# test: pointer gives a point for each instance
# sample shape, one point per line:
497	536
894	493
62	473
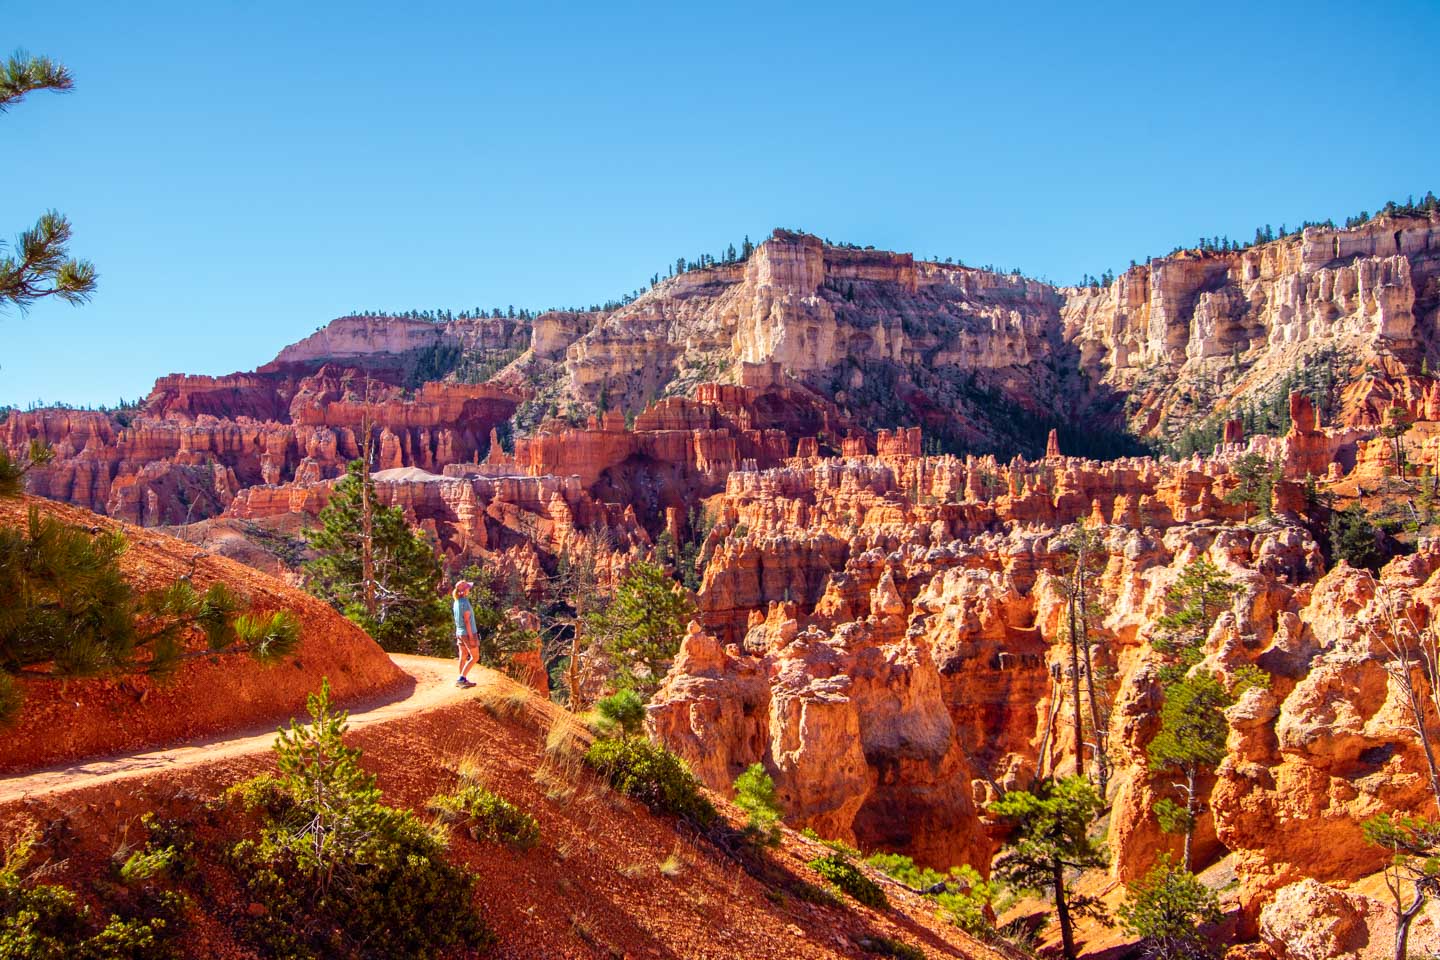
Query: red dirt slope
67	720
607	879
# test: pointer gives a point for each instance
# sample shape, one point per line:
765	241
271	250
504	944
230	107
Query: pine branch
44	267
24	74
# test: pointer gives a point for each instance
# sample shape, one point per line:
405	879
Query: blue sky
242	172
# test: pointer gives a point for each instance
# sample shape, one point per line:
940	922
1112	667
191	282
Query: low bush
654	776
839	846
40	921
486	816
810	893
890	947
840	872
1166	909
755	794
963	896
147	864
339	873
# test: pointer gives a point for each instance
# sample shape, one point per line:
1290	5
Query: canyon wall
1195	330
876	625
197	441
882	633
831	335
957	350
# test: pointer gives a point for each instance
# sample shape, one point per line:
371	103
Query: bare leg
467	659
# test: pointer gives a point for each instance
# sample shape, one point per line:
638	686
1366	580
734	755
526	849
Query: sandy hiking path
431	685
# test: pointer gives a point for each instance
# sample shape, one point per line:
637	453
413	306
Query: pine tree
342	873
642	628
1084	559
1164	909
67	611
1191	605
1413	871
1051	840
1398	421
1257	477
1356	539
409	614
1190	744
41	265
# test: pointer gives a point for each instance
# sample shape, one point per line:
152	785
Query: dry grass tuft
673	865
504	699
472	767
556	787
562	764
566	741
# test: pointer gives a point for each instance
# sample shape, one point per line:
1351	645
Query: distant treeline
1426	206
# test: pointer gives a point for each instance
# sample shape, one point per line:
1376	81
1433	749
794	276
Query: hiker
466	643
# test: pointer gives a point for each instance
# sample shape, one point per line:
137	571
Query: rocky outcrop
1328	745
851	724
951	347
380	343
1313	921
835	587
1194	332
184	455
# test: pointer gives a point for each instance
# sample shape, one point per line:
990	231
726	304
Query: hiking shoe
464	684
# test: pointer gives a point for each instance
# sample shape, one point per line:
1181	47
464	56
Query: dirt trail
432	686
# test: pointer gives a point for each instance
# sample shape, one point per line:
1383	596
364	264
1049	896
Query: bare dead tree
1086	548
1413	842
367	509
1412	649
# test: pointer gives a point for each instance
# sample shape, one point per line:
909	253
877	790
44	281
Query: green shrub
148	864
1164	909
339	873
837	869
967	905
839	846
890	947
266	793
905	870
487	816
966	899
47	922
653	775
755	794
168	854
624	710
812	893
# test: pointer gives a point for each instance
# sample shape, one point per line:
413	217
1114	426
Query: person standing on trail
466	642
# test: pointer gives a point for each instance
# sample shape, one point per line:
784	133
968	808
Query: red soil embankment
606	879
68	720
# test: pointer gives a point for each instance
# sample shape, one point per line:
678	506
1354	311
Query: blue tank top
462	607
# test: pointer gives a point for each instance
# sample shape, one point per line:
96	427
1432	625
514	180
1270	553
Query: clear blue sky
242	172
